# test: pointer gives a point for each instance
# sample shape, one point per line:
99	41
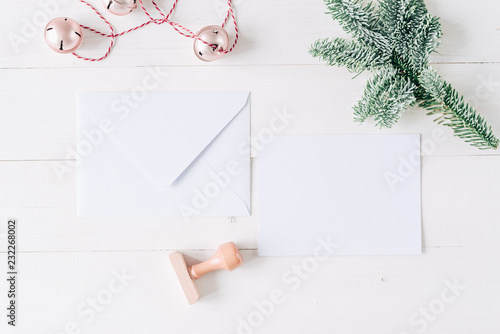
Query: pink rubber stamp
226	257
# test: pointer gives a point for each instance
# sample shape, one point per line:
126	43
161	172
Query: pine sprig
350	54
360	21
395	41
386	96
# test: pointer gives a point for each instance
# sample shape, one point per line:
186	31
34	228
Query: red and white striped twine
165	19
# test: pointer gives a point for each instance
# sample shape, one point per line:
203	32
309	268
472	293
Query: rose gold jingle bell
63	35
217	39
120	7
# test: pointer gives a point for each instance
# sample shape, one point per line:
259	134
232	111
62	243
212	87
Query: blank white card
340	195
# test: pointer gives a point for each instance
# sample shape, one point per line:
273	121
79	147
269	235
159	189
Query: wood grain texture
121	267
272	32
459	205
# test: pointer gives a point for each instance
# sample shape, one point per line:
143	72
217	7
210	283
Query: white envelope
177	154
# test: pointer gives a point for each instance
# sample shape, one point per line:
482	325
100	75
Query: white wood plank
38	118
272	32
64	261
342	295
460	197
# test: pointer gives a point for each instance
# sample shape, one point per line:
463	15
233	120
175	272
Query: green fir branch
424	42
386	96
395	41
455	112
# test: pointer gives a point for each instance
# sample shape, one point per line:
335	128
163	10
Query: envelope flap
164	133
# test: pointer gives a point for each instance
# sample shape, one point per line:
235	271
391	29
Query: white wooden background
65	261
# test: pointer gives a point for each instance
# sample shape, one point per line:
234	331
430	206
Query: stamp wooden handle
226	257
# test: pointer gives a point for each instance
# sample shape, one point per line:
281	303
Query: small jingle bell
63	35
217	39
120	7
